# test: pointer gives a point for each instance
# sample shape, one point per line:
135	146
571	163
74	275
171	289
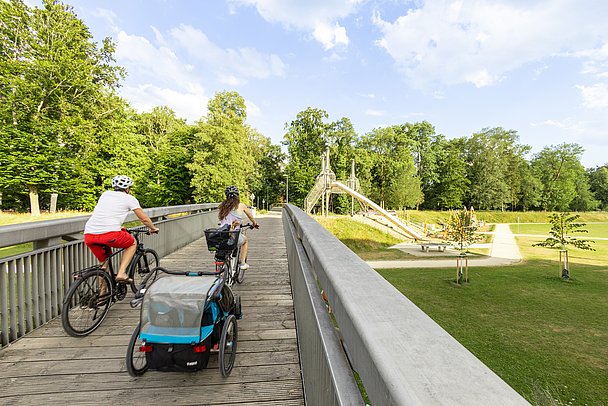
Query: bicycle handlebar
137	230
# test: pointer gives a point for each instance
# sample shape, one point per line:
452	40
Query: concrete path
503	251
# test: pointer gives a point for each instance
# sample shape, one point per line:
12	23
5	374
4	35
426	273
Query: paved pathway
503	251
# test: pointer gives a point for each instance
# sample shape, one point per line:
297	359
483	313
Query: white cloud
253	111
375	113
319	17
596	96
448	42
154	64
330	36
158	76
105	14
232	66
191	106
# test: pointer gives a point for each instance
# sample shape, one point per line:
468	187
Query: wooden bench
427	245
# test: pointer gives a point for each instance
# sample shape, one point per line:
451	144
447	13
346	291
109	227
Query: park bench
427	245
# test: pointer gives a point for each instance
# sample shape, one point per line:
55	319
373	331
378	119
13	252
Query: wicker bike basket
221	239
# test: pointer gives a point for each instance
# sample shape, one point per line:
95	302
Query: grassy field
369	243
434	217
597	230
544	336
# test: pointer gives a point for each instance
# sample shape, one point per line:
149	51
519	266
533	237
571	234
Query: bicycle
224	242
94	289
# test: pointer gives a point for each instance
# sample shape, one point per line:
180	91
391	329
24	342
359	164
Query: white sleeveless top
233	215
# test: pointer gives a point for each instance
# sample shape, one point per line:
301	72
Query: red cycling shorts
114	239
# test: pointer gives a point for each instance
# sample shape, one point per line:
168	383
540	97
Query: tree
269	186
530	188
54	78
557	168
451	183
306	139
491	154
598	182
425	155
167	141
393	182
562	225
461	228
223	150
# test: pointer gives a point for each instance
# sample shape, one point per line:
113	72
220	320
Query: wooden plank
101	365
48	367
151	379
44	343
176	395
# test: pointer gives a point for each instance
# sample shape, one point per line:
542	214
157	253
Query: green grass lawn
368	242
598	230
433	216
546	337
538	333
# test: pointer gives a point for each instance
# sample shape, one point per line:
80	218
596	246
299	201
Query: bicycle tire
240	274
228	343
135	356
83	308
143	264
228	271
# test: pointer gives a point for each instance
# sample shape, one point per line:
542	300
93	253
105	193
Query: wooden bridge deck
49	367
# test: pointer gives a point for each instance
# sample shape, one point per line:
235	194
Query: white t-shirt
110	212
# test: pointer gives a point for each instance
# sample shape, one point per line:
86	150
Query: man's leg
127	255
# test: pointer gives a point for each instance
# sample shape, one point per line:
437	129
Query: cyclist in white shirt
231	212
105	225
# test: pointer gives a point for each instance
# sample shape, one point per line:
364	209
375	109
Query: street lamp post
287	189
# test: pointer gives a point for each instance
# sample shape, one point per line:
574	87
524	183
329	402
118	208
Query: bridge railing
401	355
32	284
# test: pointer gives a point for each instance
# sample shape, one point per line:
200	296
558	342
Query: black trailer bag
179	357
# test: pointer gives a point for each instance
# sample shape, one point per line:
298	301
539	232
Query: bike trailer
179	322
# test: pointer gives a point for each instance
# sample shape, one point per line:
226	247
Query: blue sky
538	67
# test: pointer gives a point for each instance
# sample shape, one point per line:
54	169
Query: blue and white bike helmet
121	182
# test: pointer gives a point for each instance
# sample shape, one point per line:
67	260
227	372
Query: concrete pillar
53	203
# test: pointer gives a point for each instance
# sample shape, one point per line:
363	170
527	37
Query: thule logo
191	363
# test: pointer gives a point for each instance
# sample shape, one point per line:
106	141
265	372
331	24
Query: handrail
33	284
326	373
402	356
52	229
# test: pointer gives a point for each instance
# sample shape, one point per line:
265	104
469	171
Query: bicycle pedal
121	291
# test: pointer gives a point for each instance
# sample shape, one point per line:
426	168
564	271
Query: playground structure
326	184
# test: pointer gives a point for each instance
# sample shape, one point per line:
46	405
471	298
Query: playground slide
393	219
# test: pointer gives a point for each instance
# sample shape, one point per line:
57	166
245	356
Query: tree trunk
34	203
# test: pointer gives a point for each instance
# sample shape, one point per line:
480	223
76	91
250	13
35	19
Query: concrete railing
402	356
32	284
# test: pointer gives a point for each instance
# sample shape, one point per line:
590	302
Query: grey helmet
121	182
231	191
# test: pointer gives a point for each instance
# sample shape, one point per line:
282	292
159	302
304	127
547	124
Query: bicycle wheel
228	275
228	342
239	274
143	264
137	363
87	303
